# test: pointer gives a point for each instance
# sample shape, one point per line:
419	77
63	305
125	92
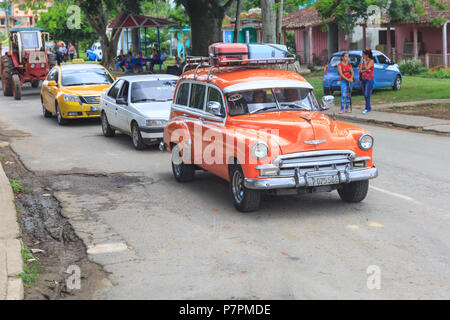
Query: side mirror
327	102
52	83
121	101
214	108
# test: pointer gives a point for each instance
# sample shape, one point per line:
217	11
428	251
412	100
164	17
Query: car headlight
156	123
260	150
365	142
70	97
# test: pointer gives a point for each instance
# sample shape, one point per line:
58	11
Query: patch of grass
16	185
30	272
414	88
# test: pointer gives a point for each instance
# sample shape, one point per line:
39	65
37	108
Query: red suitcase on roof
224	53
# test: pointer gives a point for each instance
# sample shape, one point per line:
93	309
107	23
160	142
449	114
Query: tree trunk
206	18
279	21
109	48
268	21
237	23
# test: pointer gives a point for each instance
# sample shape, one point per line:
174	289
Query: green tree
54	21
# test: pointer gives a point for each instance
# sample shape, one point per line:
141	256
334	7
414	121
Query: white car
138	106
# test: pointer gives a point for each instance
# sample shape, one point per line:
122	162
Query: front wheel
354	191
59	117
106	128
397	83
138	142
35	83
17	87
181	171
245	200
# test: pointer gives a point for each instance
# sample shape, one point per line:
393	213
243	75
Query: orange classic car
262	129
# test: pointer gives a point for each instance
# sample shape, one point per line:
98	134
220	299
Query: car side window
382	59
215	95
115	89
197	96
124	91
56	76
183	94
51	75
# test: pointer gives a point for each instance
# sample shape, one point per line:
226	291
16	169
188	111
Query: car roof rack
205	62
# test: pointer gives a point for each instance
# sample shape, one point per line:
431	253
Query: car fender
176	132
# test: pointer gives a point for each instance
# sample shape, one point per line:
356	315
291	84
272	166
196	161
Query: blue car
95	53
386	73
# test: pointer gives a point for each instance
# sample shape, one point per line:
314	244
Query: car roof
236	77
149	77
354	52
75	66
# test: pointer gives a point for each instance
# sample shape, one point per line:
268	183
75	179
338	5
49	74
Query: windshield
30	40
81	77
160	90
353	59
266	100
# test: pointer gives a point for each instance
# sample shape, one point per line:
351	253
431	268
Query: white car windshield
83	77
153	90
267	100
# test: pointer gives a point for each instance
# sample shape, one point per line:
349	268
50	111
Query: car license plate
322	180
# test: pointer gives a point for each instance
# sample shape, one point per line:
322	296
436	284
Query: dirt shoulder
45	229
438	111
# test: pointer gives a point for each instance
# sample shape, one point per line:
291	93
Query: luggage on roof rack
225	53
261	51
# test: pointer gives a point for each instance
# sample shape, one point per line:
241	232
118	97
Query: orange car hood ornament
315	142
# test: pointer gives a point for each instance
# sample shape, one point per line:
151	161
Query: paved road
161	239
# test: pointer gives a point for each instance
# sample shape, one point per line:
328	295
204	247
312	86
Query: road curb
428	128
11	264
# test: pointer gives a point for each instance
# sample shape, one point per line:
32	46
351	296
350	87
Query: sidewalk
397	119
11	287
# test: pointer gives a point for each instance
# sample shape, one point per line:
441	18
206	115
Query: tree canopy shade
54	21
206	18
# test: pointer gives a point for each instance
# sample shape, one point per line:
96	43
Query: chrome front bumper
300	181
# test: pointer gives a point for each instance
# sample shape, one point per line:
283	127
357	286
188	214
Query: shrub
411	67
439	74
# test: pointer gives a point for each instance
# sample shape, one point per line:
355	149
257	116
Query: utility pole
237	22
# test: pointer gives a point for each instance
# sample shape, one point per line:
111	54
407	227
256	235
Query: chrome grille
314	161
91	99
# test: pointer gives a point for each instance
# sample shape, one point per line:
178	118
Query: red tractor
26	61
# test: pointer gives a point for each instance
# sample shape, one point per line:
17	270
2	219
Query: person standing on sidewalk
366	77
345	71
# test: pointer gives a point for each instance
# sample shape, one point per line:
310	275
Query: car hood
298	131
92	90
155	110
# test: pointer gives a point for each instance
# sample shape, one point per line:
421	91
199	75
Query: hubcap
399	83
104	123
135	136
176	160
237	186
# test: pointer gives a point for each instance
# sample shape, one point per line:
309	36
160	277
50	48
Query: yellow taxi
72	91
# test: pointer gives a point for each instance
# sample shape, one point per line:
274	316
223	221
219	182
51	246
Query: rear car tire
181	171
106	128
354	191
59	118
45	112
397	84
7	69
136	136
245	200
17	87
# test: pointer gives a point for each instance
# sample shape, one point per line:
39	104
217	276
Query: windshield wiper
264	109
295	105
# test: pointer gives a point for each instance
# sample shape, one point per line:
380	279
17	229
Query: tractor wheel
51	61
7	69
17	87
35	83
